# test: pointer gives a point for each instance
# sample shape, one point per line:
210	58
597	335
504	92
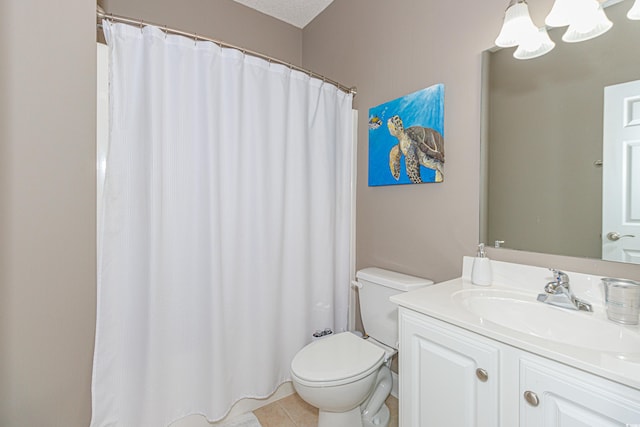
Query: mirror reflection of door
621	173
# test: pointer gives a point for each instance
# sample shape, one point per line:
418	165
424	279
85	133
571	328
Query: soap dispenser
481	270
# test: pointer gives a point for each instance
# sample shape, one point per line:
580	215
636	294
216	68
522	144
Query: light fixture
517	25
560	15
519	30
634	12
535	46
585	19
590	22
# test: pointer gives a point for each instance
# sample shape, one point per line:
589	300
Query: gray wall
389	49
47	199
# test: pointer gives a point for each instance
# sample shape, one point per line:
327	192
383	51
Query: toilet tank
379	315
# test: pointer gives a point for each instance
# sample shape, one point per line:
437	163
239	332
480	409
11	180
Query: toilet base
352	418
381	419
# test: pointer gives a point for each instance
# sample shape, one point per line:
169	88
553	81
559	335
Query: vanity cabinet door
448	376
552	394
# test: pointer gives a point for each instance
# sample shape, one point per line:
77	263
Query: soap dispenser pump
481	270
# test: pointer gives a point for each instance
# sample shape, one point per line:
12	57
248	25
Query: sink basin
521	312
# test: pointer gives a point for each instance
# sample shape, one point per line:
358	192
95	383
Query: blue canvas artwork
406	139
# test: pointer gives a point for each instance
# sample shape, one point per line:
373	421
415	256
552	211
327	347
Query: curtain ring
166	32
195	39
141	24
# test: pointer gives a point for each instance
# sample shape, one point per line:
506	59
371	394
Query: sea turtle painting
406	139
420	146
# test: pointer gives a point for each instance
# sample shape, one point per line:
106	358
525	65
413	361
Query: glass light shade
591	23
535	46
634	12
516	26
561	12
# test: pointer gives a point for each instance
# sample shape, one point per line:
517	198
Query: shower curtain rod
101	14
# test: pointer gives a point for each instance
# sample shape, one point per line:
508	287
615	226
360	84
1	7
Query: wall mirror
543	165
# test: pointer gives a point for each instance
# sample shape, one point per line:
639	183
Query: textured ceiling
295	12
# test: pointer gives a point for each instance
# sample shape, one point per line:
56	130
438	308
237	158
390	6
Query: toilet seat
340	359
389	352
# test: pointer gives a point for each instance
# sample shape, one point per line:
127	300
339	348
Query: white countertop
439	301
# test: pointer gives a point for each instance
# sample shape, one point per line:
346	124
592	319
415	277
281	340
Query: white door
621	173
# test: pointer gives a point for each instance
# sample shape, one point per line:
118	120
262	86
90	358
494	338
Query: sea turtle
420	146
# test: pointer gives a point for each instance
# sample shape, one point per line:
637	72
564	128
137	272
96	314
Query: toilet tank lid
392	279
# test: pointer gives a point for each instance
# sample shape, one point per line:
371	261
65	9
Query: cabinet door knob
482	375
531	398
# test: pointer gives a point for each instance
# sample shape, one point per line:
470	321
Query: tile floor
292	411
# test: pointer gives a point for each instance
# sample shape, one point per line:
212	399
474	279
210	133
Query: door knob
614	237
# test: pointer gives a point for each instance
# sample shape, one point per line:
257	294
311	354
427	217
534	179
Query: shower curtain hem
209	420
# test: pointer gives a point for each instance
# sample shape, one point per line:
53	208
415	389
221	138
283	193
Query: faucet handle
560	277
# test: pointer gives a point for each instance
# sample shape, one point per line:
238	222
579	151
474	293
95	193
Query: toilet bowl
348	377
337	374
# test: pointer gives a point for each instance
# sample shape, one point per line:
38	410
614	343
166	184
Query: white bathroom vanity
495	356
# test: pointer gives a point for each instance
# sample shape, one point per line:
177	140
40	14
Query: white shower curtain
225	231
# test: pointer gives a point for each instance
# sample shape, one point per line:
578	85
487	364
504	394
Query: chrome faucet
558	293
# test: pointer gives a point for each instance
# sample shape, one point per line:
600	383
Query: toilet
348	378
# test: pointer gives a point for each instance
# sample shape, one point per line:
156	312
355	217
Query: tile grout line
286	412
